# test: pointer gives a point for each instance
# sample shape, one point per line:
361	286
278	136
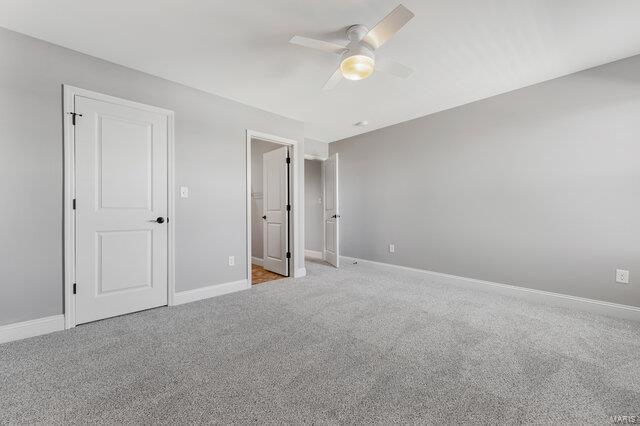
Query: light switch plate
184	192
392	248
622	276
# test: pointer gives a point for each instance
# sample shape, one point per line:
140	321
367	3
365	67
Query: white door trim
314	157
324	225
313	254
296	156
336	209
69	93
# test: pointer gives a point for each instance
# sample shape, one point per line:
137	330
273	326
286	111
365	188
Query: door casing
69	94
324	223
296	226
336	210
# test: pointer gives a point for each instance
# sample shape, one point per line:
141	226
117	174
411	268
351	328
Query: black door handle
264	217
158	220
335	216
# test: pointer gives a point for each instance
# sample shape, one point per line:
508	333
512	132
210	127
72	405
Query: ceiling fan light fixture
357	67
358	57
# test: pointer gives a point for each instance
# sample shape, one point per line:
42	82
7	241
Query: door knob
335	216
264	217
158	220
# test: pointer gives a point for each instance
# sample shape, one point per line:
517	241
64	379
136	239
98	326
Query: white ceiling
462	50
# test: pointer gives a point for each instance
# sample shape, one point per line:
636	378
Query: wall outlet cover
392	248
232	260
184	192
622	276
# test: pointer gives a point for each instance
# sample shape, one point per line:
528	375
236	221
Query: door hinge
288	207
74	288
288	160
73	117
288	255
74	204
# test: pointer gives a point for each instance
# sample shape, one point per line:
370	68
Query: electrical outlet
392	248
184	192
622	276
232	260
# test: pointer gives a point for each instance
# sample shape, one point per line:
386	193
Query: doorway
118	206
322	210
313	209
271	208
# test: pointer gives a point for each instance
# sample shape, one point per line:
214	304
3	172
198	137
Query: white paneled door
121	209
331	211
275	228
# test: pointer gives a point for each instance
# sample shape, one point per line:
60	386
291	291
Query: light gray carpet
355	345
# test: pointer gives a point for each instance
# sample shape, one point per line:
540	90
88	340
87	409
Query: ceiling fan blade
333	80
321	45
393	68
390	25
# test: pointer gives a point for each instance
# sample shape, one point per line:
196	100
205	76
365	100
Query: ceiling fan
358	59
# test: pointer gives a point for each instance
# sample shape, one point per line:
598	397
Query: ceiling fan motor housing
356	33
357	46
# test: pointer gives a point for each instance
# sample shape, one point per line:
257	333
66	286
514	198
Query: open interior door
275	229
331	212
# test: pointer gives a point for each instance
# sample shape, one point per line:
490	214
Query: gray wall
538	188
210	160
258	148
313	205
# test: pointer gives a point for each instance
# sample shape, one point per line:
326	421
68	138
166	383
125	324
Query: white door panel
274	241
123	260
130	190
331	211
275	227
121	188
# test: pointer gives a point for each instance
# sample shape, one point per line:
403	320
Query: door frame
68	94
321	159
324	219
295	230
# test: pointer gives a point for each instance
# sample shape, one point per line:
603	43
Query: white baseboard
555	299
313	254
210	291
36	327
257	261
300	272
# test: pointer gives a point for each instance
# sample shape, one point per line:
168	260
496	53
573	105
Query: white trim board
201	293
31	328
69	94
313	254
257	261
554	299
315	157
40	326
